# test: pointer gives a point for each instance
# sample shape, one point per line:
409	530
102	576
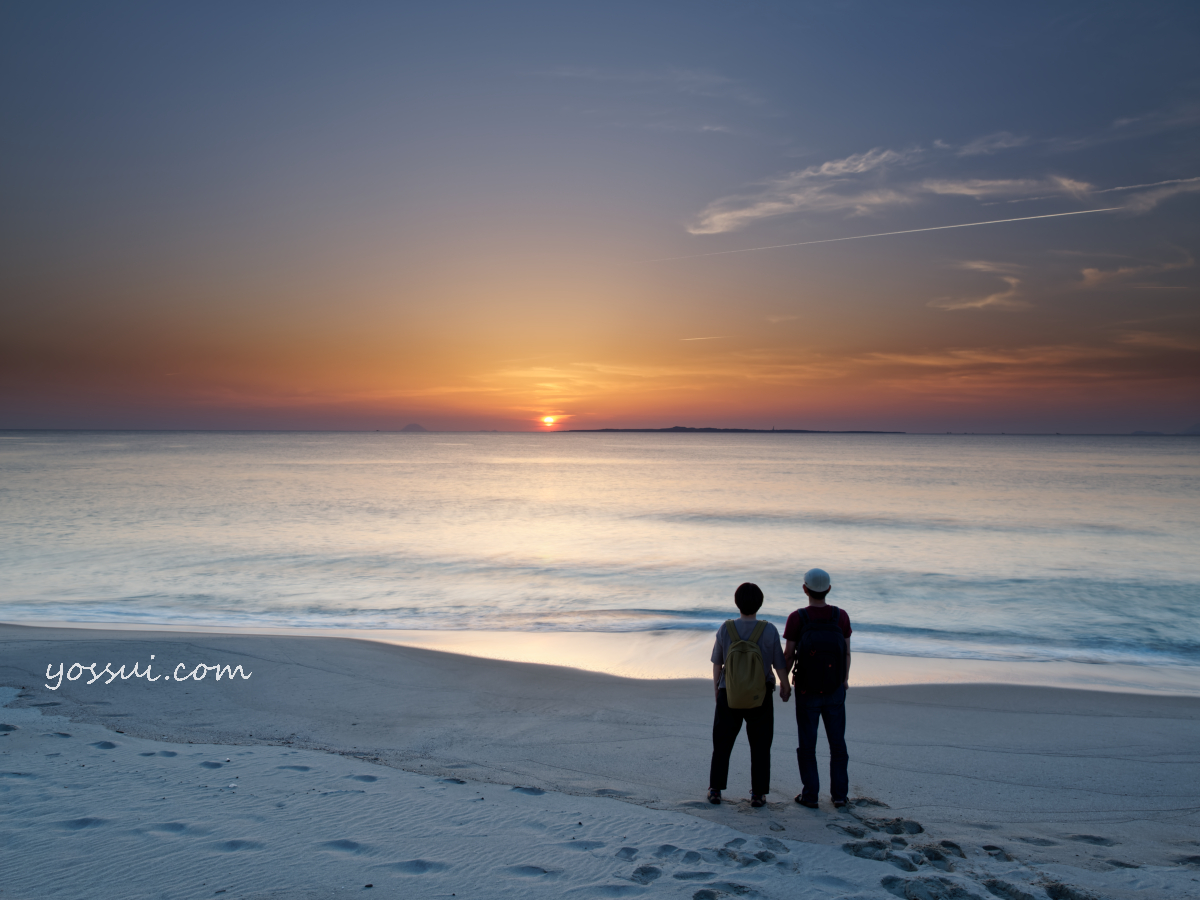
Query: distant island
675	429
414	427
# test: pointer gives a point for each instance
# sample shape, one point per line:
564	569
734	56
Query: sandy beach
342	763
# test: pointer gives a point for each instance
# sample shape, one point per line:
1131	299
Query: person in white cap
817	652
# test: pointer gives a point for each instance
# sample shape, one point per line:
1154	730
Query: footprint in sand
952	847
880	851
292	768
646	874
935	857
728	887
415	866
451	781
936	888
57	734
666	850
367	778
237	845
211	765
1006	891
531	791
345	846
104	745
626	853
693	876
1059	891
893	826
1095	839
848	830
5	728
149	753
691	858
771	844
80	824
1038	842
528	871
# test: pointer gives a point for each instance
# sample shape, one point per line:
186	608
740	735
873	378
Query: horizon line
675	429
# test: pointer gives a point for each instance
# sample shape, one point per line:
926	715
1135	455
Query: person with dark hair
818	647
743	658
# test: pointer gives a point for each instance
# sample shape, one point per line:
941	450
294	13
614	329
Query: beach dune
1098	793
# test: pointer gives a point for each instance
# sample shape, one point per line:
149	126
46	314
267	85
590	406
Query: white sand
337	750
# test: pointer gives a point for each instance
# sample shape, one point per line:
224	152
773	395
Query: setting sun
548	420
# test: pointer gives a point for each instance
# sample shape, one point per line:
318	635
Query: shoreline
674	654
346	762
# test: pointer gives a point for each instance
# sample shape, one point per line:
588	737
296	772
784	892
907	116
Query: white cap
816	580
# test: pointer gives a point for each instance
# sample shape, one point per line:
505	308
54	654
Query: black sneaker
714	796
839	804
758	800
811	804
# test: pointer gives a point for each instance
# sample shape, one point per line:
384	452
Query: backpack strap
757	633
733	633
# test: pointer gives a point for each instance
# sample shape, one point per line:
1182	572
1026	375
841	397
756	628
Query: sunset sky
475	215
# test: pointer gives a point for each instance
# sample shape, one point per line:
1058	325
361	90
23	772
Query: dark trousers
810	710
760	729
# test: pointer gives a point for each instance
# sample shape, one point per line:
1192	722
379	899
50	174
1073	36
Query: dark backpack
820	655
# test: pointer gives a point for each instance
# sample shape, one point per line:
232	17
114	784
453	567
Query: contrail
859	237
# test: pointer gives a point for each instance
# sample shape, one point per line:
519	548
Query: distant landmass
414	427
684	428
1195	429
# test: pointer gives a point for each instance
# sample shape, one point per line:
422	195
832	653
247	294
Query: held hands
785	692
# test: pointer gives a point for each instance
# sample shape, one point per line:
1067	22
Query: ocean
1015	548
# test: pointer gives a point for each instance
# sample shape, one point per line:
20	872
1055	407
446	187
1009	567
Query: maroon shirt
791	631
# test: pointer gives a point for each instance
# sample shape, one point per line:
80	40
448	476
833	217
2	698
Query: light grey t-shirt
768	643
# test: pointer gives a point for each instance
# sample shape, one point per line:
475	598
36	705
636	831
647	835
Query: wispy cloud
1147	200
981	188
1096	277
830	186
864	183
775	320
1007	299
719	337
